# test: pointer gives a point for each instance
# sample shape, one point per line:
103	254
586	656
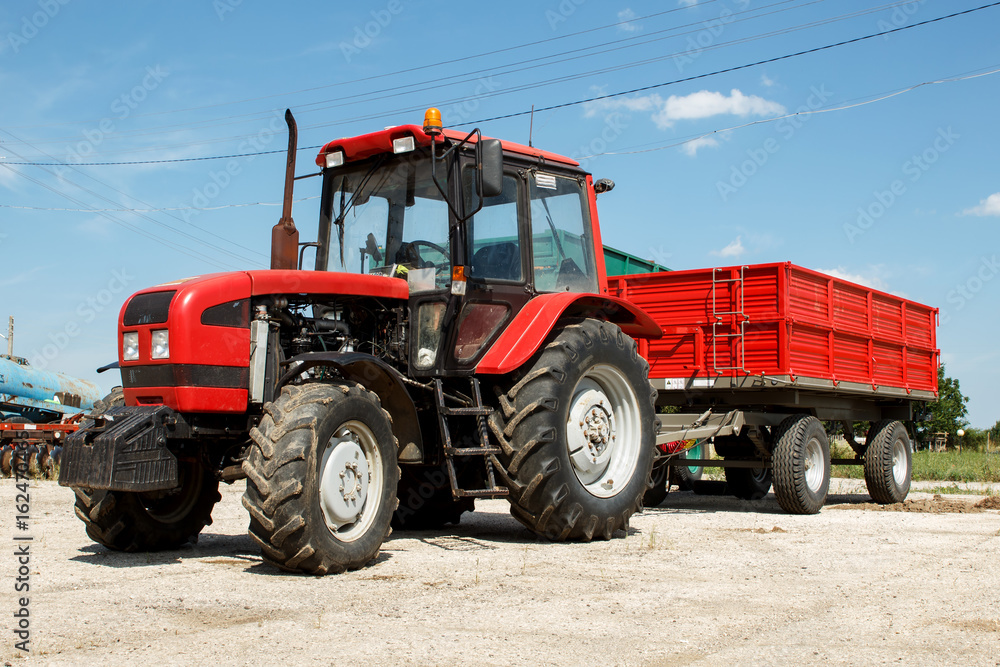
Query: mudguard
379	377
532	325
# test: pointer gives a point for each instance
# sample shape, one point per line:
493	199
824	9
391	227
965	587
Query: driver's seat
500	261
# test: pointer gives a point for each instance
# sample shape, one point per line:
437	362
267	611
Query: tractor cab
474	226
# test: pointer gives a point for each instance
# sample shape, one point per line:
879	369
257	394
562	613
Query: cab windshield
387	217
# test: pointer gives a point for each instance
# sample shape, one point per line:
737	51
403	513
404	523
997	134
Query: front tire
154	520
748	483
888	462
659	485
801	464
321	478
577	434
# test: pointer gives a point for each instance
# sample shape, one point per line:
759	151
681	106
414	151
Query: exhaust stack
284	236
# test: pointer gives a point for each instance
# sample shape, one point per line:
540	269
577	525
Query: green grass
948	466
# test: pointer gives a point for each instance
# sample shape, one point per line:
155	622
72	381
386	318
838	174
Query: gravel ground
701	580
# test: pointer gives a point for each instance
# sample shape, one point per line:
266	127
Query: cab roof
367	145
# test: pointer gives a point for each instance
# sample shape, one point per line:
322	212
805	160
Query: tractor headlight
130	346
160	344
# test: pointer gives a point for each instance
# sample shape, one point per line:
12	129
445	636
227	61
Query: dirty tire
7	461
801	464
557	489
659	485
312	441
748	483
150	521
425	500
685	476
888	462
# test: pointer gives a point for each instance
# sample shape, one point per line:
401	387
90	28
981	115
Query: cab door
496	269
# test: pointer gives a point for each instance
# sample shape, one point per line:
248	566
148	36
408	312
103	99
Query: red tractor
455	340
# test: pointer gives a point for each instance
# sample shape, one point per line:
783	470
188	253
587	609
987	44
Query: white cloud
687	3
705	104
691	147
767	81
696	106
989	206
625	16
734	249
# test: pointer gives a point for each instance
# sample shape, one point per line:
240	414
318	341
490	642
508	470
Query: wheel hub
344	481
592	433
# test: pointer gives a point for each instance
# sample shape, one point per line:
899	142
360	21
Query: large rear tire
151	521
577	434
801	464
425	500
888	462
321	478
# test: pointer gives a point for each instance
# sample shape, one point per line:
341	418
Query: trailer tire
314	440
888	462
7	461
748	483
659	484
576	433
425	500
685	476
801	464
151	521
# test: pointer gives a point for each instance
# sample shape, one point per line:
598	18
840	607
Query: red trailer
754	350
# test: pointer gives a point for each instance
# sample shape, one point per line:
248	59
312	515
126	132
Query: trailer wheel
659	485
685	476
151	521
425	500
7	461
801	464
321	478
888	462
577	434
748	483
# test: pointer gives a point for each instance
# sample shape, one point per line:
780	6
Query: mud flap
123	450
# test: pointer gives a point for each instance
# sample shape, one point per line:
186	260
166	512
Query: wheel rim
899	452
174	505
349	481
694	453
759	475
603	431
814	465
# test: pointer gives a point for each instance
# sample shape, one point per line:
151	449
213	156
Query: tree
948	413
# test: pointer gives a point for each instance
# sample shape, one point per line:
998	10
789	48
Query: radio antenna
531	125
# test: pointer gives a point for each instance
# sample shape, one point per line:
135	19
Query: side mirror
492	167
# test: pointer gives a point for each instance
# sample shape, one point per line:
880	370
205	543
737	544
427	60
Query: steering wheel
432	246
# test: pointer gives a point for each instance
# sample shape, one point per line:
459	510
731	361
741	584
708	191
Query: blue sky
902	194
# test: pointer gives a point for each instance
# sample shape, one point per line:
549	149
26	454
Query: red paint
530	327
798	322
375	143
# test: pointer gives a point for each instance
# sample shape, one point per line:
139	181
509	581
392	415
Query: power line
809	112
152	210
738	67
576	102
395	73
